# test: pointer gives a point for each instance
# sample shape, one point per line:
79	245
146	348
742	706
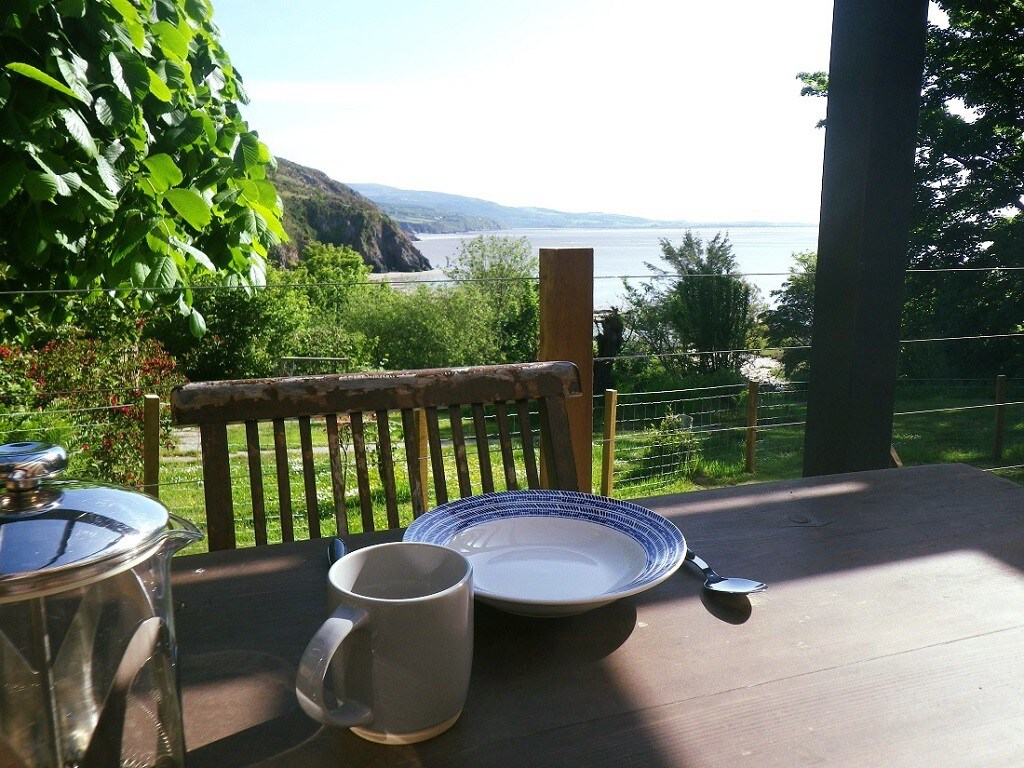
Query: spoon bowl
723	585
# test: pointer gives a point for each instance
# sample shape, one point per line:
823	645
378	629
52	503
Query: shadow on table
551	692
243	630
814	526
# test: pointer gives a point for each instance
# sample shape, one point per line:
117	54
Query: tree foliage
969	193
504	271
299	312
426	326
698	306
788	322
124	161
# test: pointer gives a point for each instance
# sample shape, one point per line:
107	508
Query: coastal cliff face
316	207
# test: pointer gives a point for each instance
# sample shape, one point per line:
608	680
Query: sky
670	109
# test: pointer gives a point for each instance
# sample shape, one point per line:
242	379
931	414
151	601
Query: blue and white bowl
554	553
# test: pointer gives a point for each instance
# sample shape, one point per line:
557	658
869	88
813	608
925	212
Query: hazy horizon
695	222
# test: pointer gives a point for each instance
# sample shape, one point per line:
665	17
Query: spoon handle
697	560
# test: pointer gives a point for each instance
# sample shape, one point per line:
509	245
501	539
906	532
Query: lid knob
24	465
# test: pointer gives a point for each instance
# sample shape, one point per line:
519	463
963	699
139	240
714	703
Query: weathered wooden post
611	397
420	417
567	333
752	398
997	448
151	445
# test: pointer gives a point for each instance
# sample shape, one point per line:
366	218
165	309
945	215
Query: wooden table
892	634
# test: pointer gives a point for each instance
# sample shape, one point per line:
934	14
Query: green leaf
132	233
27	70
201	9
73	180
268	194
110	177
79	131
52	178
190	206
158	87
247	153
108	203
201	258
196	323
249	190
139	271
164	274
11	174
72	8
172	40
258	272
271	220
128	11
137	34
208	127
41	186
75	74
164	173
190	129
114	110
130	74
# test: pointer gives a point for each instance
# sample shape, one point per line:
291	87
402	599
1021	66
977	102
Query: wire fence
665	440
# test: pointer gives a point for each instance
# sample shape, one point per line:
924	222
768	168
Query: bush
670	448
95	389
248	330
19	397
425	326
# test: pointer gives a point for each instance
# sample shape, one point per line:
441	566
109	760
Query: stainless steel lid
60	534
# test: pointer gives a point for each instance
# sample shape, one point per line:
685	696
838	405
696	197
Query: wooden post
567	333
997	448
420	420
875	72
611	397
752	397
151	445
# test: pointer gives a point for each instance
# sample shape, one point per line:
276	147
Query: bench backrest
431	405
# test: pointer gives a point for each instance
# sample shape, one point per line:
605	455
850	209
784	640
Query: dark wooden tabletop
891	634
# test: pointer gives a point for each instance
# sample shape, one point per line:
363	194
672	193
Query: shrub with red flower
97	386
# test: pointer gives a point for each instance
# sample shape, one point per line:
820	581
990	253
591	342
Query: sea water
618	252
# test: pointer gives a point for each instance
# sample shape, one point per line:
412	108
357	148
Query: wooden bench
422	398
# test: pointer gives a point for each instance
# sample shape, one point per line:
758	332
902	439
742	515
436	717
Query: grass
649	461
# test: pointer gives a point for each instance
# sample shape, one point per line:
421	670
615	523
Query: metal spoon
335	551
721	584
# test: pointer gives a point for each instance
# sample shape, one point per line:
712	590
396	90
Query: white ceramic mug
398	645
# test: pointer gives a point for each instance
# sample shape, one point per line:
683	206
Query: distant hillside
440	212
317	207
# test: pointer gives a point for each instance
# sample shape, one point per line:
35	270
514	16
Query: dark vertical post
751	453
997	448
867	192
151	445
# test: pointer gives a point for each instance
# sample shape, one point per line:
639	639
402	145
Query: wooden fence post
420	420
151	445
752	397
567	333
611	397
997	448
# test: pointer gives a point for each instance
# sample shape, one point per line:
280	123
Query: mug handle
316	660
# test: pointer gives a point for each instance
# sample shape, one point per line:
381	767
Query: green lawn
647	462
